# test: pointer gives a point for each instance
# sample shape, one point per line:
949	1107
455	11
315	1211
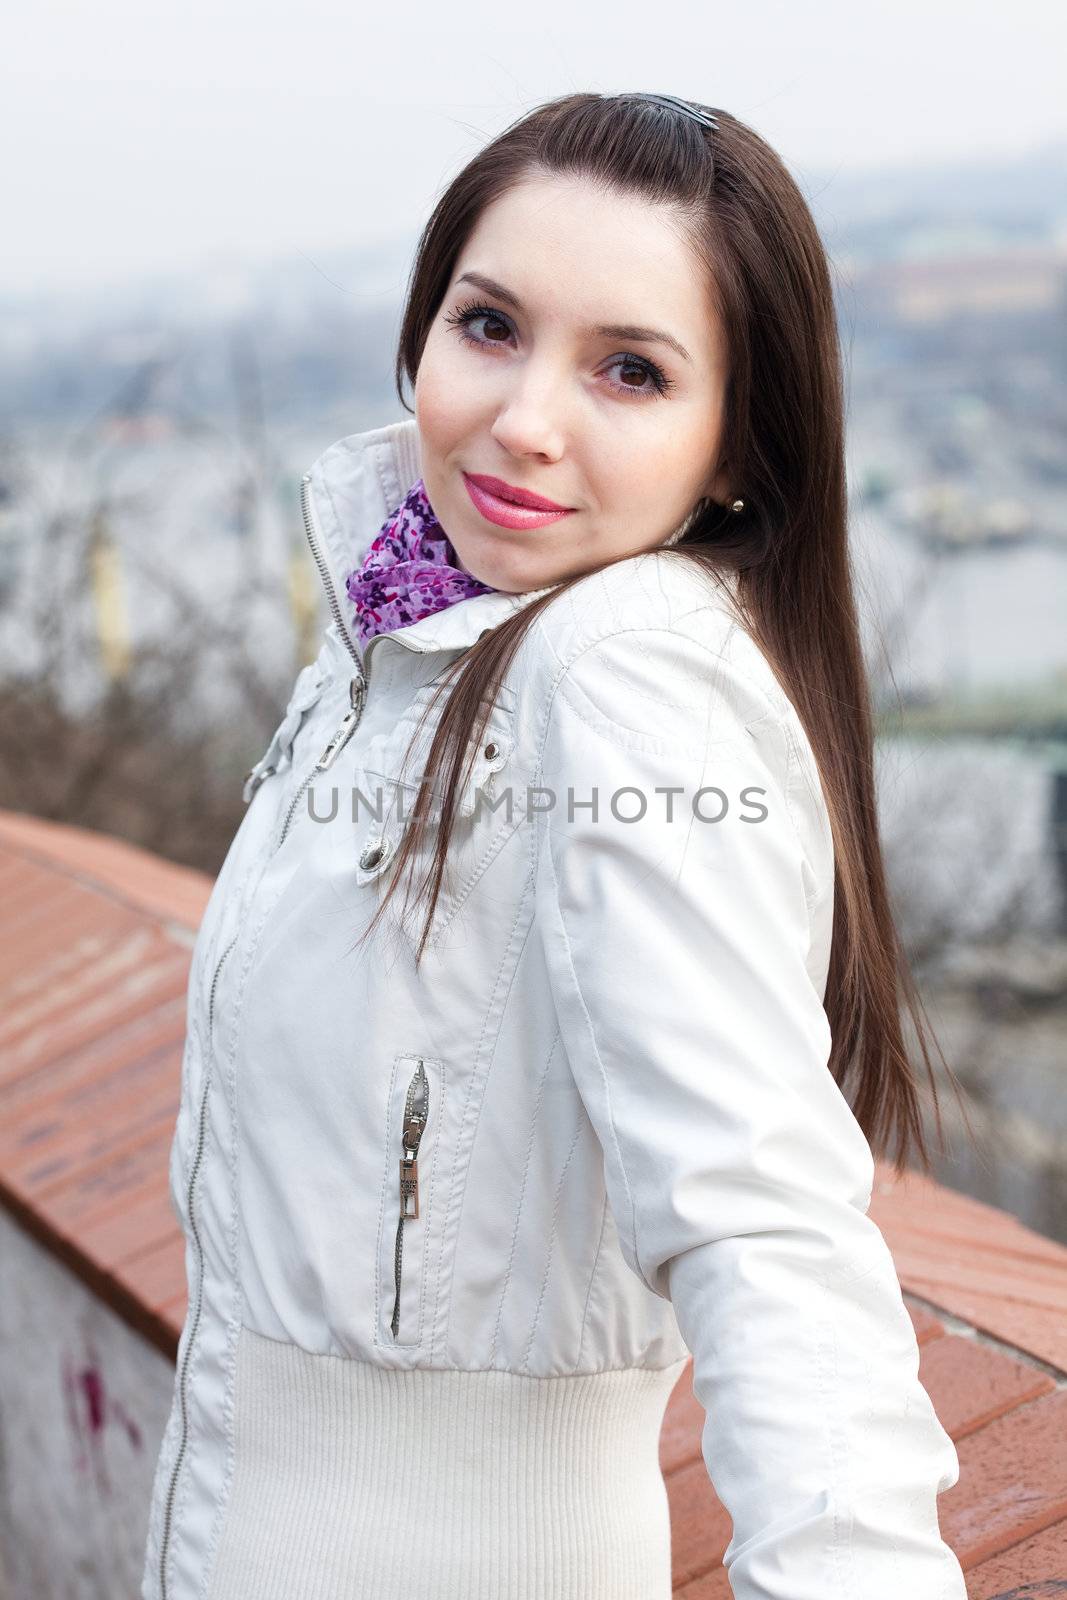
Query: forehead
580	254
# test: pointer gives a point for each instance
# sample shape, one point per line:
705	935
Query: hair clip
672	102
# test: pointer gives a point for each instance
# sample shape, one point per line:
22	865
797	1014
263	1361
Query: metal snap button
375	854
491	750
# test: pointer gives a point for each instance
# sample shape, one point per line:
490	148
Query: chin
479	570
511	581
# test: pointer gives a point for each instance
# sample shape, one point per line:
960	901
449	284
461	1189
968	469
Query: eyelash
466	314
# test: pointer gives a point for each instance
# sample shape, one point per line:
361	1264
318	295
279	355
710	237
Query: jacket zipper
331	592
416	1110
190	1195
358	695
358	687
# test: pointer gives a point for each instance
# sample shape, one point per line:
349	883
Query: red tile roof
95	941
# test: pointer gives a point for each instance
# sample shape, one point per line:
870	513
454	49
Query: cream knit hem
354	1481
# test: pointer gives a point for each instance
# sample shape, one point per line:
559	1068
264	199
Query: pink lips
534	511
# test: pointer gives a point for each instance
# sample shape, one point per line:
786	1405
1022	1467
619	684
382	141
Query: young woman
466	1173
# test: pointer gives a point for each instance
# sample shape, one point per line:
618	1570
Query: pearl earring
679	533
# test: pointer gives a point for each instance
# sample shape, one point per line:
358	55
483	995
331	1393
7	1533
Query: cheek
638	476
679	453
442	395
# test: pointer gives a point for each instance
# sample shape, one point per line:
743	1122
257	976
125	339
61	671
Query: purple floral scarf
410	570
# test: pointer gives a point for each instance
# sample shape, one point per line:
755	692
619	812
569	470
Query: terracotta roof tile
1013	1480
926	1325
1022	1573
976	1383
110	866
95	942
700	1525
979	1263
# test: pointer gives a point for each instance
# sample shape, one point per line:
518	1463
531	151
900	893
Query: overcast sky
141	136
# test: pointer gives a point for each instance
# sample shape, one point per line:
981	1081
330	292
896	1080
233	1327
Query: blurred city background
158	406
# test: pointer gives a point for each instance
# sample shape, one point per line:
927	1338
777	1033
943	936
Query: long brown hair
783	435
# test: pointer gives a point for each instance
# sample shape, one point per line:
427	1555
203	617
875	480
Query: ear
720	487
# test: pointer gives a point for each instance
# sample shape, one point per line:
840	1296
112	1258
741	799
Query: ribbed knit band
359	1482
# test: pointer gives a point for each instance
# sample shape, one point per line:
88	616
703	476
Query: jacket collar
346	496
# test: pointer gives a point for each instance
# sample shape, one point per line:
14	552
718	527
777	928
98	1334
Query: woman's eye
467	315
487	316
463	319
657	379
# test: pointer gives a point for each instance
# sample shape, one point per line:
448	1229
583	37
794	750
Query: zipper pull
357	695
409	1186
416	1107
415	1110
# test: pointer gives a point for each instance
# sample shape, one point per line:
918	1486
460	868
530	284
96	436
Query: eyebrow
605	330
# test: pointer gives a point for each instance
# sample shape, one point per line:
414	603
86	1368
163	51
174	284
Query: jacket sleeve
678	954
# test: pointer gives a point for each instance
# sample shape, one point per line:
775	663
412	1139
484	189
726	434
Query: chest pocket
489	806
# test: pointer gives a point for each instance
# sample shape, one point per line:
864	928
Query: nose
528	421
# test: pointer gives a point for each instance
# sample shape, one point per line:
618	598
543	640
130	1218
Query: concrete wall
83	1404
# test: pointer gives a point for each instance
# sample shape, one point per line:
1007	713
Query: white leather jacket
609	1075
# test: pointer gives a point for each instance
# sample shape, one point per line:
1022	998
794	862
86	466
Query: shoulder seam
770	711
770	714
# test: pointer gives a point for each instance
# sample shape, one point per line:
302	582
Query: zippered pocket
414	1114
